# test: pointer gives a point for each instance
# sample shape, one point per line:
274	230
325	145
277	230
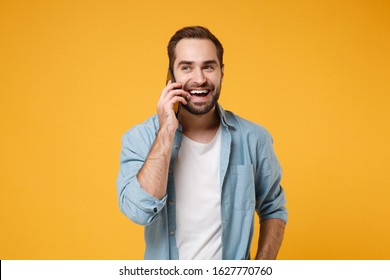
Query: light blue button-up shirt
250	181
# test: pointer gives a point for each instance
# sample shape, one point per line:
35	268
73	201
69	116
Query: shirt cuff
143	200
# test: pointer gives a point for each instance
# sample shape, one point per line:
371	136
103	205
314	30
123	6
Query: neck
201	128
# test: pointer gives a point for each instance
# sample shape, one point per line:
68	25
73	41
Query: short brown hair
193	32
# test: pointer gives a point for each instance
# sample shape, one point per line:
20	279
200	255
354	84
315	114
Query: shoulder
145	131
249	129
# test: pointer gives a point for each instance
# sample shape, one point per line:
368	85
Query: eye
209	67
185	68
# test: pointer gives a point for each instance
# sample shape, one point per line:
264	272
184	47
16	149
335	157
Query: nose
199	77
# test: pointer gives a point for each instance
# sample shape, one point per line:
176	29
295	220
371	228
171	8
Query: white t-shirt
198	199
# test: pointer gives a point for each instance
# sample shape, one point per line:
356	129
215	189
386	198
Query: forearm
153	175
270	239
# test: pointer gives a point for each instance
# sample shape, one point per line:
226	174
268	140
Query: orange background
75	75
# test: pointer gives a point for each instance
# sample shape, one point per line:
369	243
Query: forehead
195	50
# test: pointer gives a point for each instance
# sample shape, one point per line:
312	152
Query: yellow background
75	75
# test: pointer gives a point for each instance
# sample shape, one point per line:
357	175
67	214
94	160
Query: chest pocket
240	187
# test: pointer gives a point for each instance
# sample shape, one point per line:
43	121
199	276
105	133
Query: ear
222	71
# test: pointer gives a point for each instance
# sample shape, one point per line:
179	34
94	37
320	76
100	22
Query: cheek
217	78
216	81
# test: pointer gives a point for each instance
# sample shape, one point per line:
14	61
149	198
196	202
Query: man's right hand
153	176
170	95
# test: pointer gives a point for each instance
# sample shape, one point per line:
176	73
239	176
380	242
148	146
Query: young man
195	178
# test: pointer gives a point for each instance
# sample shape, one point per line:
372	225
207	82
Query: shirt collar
225	118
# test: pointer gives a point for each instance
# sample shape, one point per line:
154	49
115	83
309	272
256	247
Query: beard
204	107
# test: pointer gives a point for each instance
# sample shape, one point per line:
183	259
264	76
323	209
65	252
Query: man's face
197	67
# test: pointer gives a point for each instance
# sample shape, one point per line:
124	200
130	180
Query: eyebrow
207	62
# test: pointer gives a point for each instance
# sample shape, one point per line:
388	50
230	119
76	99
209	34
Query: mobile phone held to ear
170	77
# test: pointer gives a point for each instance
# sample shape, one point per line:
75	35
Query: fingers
177	99
171	94
171	86
172	90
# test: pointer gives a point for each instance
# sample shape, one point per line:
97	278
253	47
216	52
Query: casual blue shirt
250	181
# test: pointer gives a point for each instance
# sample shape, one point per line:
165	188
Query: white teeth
199	91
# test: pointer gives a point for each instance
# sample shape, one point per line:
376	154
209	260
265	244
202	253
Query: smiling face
197	68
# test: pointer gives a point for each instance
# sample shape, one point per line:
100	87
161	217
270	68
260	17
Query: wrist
167	131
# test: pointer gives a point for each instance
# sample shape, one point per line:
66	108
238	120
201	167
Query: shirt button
176	147
170	202
172	233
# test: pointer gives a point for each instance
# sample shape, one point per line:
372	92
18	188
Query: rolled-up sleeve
270	196
138	205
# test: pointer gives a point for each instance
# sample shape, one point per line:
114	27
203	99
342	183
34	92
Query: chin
203	108
200	109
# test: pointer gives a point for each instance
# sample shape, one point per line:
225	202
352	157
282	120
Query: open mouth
199	92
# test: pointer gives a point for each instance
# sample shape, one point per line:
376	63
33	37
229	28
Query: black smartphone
170	77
